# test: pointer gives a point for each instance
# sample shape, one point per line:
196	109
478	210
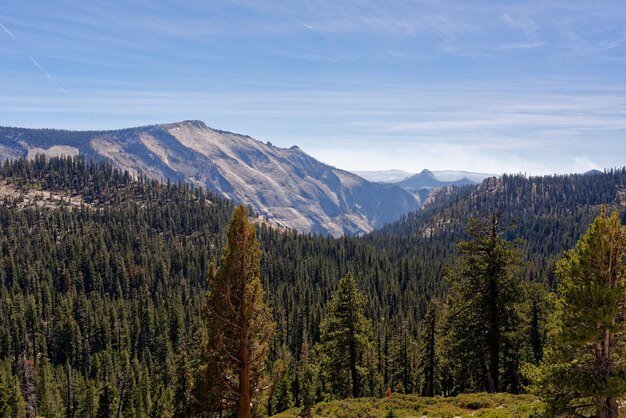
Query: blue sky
492	86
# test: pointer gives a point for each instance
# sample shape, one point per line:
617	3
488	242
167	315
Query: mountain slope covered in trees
102	288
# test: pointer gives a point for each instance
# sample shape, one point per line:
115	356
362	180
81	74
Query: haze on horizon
537	88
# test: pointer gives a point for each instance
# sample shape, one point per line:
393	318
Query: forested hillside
103	281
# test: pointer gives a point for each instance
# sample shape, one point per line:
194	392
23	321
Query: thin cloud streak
48	75
8	32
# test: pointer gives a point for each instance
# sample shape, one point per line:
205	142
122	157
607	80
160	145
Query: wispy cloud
525	23
47	74
522	45
8	32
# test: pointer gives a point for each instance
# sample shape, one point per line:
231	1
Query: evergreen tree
583	372
239	322
345	339
49	400
428	354
107	402
5	402
283	398
484	294
184	384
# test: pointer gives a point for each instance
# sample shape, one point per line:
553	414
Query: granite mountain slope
287	186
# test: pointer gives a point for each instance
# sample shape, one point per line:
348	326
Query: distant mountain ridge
438	177
287	186
427	180
384	176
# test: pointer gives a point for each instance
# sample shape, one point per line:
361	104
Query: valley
116	281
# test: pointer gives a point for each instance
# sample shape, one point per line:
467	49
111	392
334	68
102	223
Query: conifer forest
122	296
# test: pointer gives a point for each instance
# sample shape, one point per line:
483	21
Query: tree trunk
493	337
493	342
607	407
353	370
245	410
69	393
430	380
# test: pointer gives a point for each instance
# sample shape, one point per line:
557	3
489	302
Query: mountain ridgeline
287	186
426	179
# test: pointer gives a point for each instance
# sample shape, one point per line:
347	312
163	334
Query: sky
536	87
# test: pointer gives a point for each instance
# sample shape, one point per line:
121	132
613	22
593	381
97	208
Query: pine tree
239	322
184	384
484	293
283	398
428	354
49	400
107	402
345	339
583	372
5	402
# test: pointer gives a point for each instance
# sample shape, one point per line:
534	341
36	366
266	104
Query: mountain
454	175
287	186
448	176
592	172
384	176
427	180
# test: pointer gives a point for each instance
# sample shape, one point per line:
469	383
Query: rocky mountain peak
287	186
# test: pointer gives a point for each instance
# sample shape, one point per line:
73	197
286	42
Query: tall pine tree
583	372
345	338
240	324
484	292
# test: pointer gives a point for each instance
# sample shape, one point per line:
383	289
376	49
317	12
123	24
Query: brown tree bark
245	408
606	407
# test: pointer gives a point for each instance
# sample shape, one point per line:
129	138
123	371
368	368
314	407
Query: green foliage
283	398
584	369
5	403
113	287
345	340
112	279
429	359
485	295
107	402
467	405
391	414
184	385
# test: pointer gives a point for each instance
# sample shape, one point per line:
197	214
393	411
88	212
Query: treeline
101	305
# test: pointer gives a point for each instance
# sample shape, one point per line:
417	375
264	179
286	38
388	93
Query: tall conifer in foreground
583	372
240	324
345	339
484	294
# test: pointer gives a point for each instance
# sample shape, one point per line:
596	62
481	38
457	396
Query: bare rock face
287	186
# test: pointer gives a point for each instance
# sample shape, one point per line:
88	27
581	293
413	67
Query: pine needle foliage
484	293
345	339
583	373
